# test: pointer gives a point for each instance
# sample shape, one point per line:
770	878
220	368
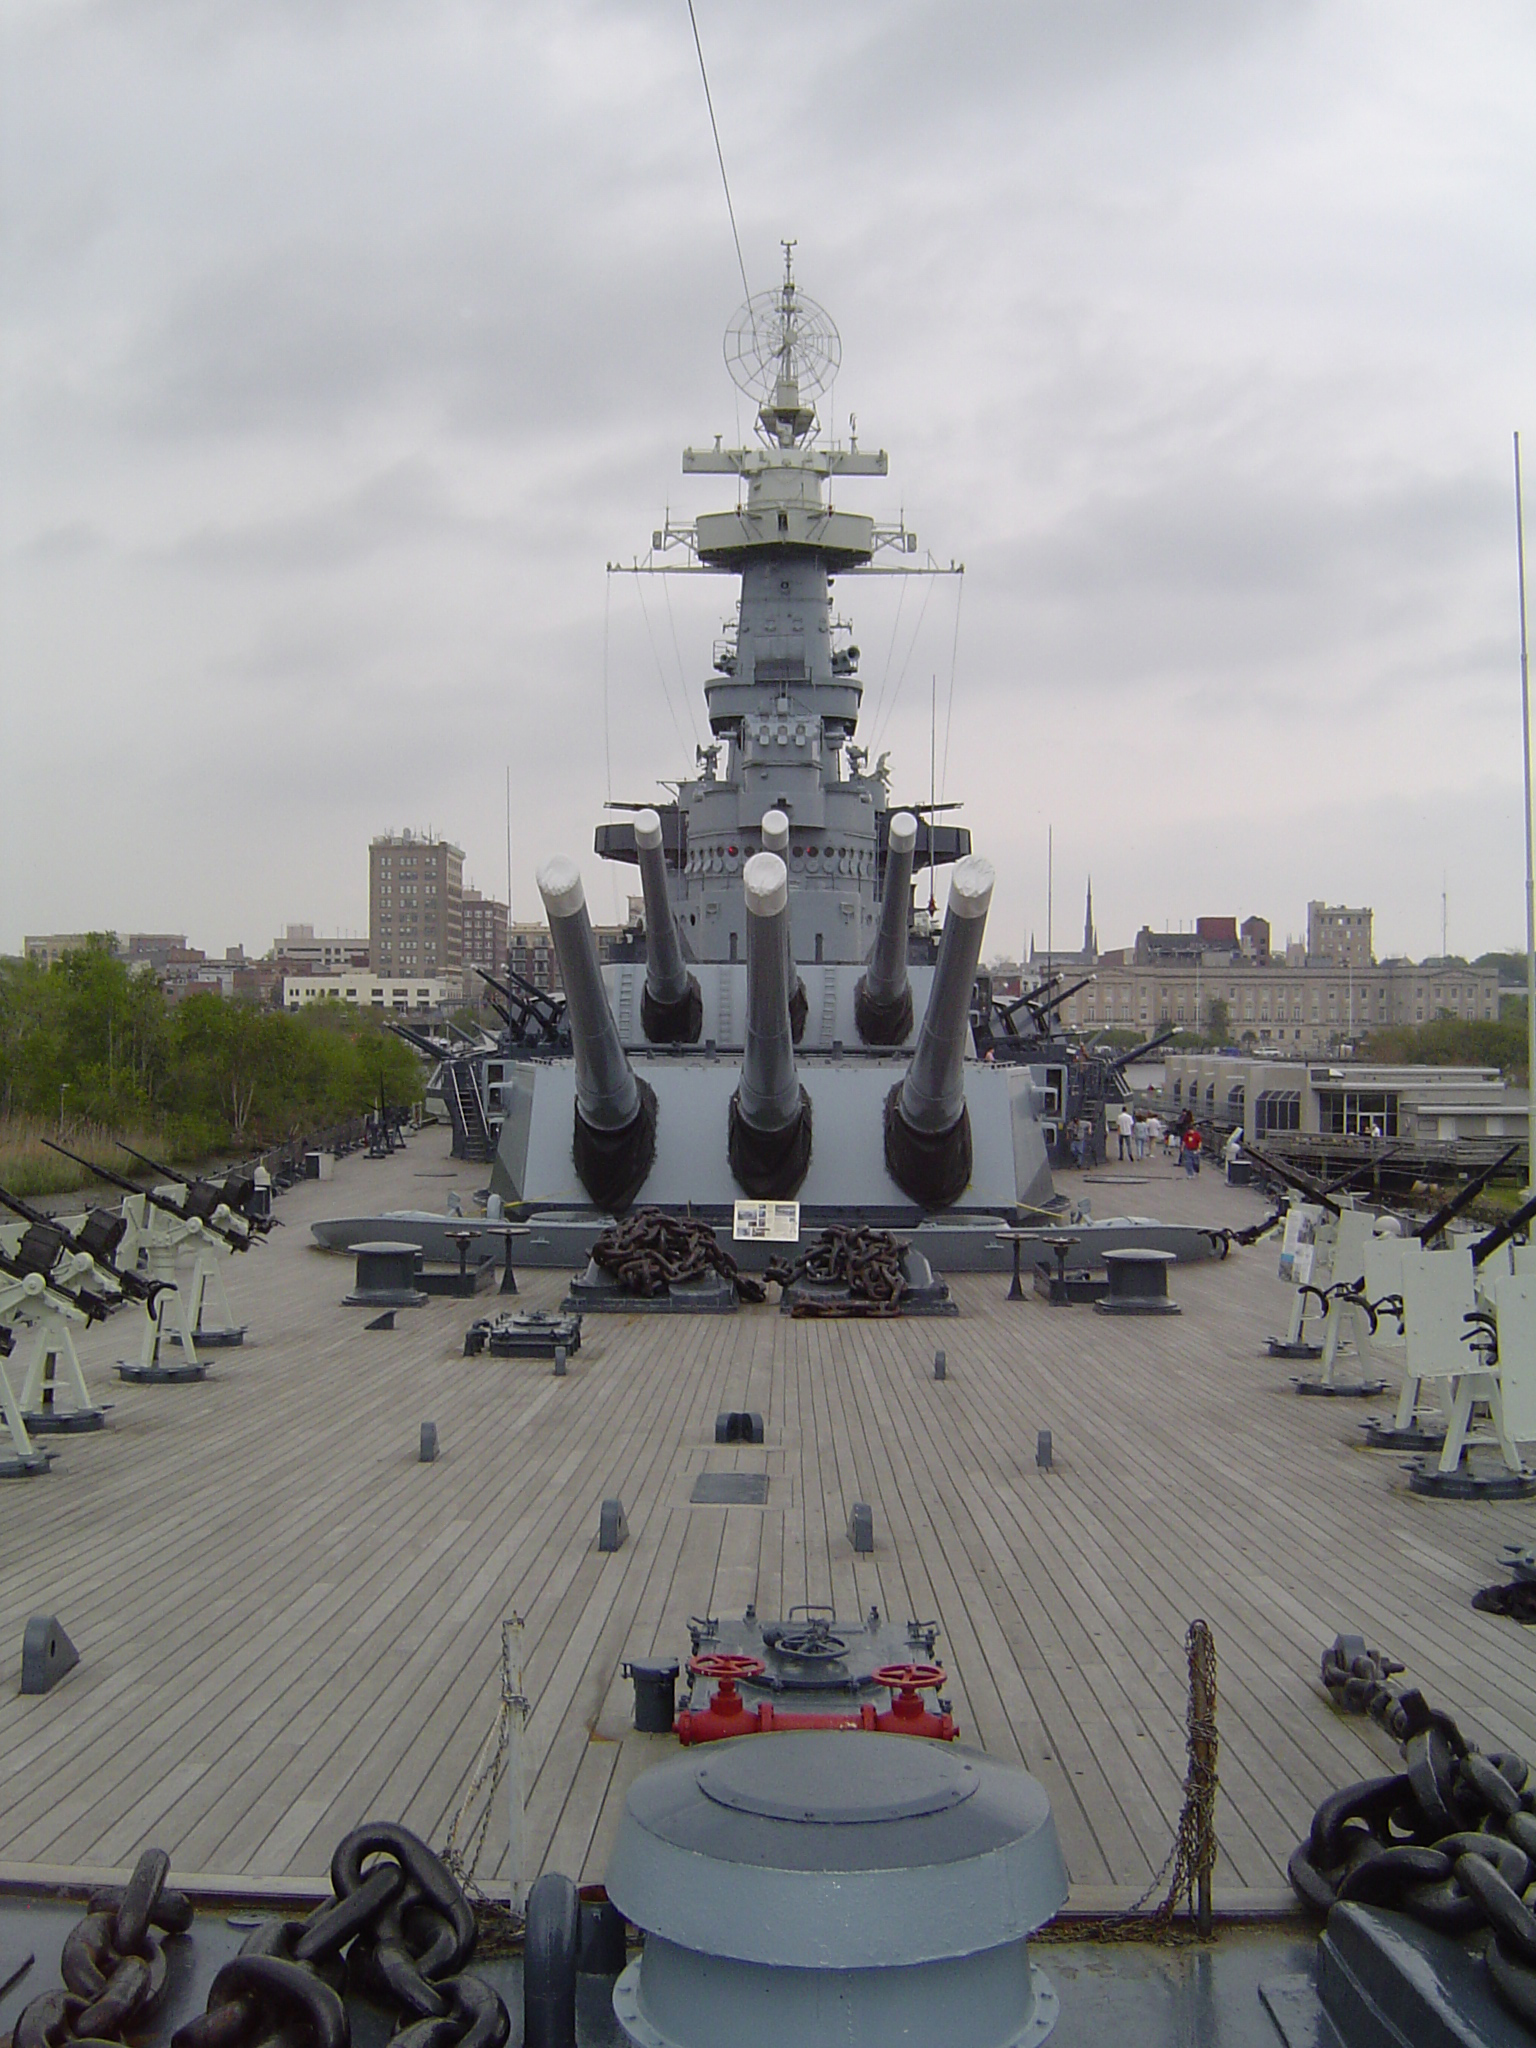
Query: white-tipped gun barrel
607	1094
933	1094
775	833
666	978
769	1094
883	1002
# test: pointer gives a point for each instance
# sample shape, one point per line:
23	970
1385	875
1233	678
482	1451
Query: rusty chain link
866	1261
650	1252
1449	1840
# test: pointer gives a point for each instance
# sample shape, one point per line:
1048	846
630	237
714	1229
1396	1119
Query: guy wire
719	152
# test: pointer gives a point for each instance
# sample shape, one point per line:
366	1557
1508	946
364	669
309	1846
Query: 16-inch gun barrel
615	1137
882	1002
671	1008
770	1124
927	1126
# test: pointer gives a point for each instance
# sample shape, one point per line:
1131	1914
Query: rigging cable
890	709
607	740
890	655
719	152
682	674
666	687
954	656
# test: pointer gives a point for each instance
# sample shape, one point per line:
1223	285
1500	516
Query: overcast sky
345	345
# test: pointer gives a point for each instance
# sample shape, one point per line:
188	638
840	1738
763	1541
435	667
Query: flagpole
1530	866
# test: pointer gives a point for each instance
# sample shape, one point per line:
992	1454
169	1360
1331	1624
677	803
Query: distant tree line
86	1040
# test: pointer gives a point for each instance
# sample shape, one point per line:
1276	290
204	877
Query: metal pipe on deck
927	1125
769	1140
882	1003
671	1007
615	1138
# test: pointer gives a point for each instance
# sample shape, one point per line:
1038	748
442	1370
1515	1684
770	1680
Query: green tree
1218	1020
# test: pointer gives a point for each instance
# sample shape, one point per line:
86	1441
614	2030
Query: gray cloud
344	348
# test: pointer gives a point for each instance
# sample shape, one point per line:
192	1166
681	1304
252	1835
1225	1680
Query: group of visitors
1140	1134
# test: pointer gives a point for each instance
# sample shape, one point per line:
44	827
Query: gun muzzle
882	1002
615	1137
769	1140
927	1126
671	1008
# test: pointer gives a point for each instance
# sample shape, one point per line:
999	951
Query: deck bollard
1043	1450
940	1366
428	1455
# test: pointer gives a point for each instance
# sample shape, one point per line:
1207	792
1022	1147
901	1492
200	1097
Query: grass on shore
28	1168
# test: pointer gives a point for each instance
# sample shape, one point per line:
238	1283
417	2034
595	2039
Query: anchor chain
866	1261
650	1252
113	1964
1449	1840
398	1932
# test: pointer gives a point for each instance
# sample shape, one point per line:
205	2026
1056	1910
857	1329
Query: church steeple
1090	936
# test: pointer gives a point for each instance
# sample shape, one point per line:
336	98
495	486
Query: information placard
773	1222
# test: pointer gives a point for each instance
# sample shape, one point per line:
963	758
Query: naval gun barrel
671	1008
927	1125
882	1002
769	1138
775	831
615	1136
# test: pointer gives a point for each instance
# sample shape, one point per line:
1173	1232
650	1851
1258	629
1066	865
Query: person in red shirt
1191	1144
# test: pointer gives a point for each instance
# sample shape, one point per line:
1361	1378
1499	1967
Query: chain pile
867	1262
1358	1680
1449	1840
398	1933
650	1252
113	1965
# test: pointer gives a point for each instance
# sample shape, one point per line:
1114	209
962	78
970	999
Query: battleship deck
287	1624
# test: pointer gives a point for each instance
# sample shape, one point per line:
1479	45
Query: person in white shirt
1125	1131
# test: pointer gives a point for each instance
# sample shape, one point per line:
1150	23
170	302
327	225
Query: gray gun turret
775	830
615	1136
927	1125
671	1008
882	1002
769	1139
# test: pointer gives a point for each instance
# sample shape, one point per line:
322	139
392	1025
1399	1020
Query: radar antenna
782	337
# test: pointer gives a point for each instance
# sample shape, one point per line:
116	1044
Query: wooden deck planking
286	1623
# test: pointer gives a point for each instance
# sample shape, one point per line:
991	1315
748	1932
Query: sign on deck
777	1222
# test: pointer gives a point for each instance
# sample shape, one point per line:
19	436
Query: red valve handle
719	1665
910	1677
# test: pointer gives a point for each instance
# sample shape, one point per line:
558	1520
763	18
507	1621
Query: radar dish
782	335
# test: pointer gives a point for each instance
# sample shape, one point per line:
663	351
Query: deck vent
889	1882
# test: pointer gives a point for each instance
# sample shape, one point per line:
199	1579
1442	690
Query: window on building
1277	1109
1357	1113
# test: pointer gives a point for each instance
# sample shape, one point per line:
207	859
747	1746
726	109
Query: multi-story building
1338	936
303	952
415	906
1309	1009
424	994
485	932
531	954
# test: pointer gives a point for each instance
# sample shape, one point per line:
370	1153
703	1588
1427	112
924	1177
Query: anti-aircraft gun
236	1191
180	1242
35	1289
92	1240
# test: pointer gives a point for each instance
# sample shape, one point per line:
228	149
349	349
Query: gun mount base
1386	1436
770	1165
882	1021
612	1165
1346	1390
1469	1483
64	1421
932	1168
25	1468
161	1375
678	1023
